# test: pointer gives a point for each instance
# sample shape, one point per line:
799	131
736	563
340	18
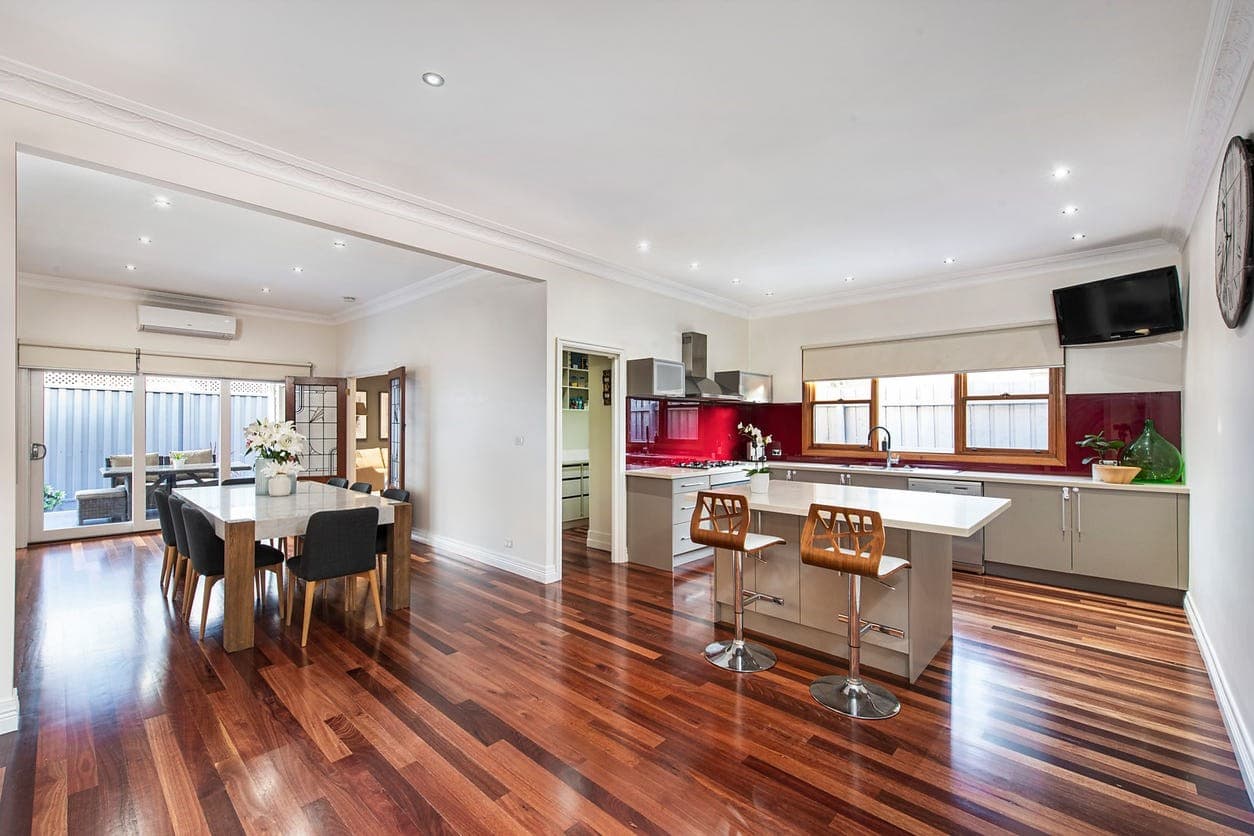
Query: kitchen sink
902	468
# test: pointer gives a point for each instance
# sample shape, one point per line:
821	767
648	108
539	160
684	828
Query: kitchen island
658	510
920	602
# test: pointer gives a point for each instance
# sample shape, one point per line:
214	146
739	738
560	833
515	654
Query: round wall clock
1232	232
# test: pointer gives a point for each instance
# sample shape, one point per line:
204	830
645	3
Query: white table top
278	516
960	516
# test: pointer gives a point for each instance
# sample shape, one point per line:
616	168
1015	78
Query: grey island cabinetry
921	528
659	509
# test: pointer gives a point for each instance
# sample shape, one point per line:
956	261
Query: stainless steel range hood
697	380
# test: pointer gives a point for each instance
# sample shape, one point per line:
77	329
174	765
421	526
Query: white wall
775	342
475	377
59	318
8	426
1218	406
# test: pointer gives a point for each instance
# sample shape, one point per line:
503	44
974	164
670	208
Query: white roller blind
75	358
1026	347
177	364
124	361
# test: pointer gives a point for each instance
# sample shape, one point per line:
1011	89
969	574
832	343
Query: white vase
759	482
280	485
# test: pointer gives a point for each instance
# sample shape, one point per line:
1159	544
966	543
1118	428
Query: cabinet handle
1066	497
1079	527
691	484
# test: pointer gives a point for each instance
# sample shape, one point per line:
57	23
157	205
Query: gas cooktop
706	465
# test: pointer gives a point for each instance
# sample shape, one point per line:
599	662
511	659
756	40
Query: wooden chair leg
165	570
189	591
204	603
291	588
310	588
180	565
373	577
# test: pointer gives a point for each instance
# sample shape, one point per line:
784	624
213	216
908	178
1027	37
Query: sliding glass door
84	427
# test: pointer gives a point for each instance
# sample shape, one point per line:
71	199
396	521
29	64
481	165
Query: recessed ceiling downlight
161	202
949	259
265	290
1061	172
339	245
433	79
298	269
643	246
349	299
696	265
131	267
1078	236
848	278
144	239
1070	210
735	281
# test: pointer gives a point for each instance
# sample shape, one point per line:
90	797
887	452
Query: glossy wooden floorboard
499	705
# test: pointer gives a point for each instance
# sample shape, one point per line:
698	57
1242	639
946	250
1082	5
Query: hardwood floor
500	705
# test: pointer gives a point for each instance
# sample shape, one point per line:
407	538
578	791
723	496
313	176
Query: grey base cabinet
1129	536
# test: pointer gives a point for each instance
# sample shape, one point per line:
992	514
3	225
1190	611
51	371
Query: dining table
241	518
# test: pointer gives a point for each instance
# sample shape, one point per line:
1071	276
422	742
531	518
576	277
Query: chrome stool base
739	656
859	699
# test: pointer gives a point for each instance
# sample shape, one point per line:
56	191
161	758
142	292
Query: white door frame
618	448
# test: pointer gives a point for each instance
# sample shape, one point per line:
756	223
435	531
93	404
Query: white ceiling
785	144
79	223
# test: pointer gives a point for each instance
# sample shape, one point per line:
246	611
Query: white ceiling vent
187	323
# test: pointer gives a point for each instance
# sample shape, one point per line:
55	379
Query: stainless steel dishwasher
968	551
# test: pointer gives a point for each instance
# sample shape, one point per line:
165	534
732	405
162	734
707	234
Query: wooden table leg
237	618
398	558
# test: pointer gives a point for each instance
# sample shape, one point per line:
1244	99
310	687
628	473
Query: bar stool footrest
754	597
871	626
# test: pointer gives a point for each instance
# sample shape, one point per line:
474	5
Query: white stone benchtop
959	516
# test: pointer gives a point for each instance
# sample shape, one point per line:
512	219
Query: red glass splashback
666	432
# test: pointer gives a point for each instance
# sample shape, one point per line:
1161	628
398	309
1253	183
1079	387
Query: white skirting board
497	560
9	713
1238	731
600	540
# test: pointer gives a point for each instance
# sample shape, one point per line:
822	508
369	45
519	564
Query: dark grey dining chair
239	480
207	560
361	487
383	539
338	544
338	482
161	498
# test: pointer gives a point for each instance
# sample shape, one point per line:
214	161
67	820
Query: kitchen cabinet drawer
1125	536
682	509
687	484
1035	531
680	540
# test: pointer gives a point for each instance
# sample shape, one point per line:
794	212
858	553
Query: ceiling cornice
102	290
443	280
1002	273
32	87
1225	67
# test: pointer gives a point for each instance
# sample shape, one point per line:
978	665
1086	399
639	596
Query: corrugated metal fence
83	427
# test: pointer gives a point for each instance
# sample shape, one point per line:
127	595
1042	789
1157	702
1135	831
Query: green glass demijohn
1157	457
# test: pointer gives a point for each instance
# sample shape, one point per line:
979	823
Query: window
1010	416
842	410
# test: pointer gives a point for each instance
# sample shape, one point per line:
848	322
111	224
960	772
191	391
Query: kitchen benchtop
1061	480
935	513
682	472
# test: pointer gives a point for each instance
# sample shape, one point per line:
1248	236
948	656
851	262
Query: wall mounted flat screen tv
1125	307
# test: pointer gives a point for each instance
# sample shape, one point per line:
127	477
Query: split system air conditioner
187	323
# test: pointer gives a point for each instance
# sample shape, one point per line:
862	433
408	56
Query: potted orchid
278	447
759	473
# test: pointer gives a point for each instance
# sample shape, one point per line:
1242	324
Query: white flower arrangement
759	441
277	444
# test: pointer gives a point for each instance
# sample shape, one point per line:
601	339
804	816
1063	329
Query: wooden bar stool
721	520
852	541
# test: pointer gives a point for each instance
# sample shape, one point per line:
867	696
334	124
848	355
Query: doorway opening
591	455
378	430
